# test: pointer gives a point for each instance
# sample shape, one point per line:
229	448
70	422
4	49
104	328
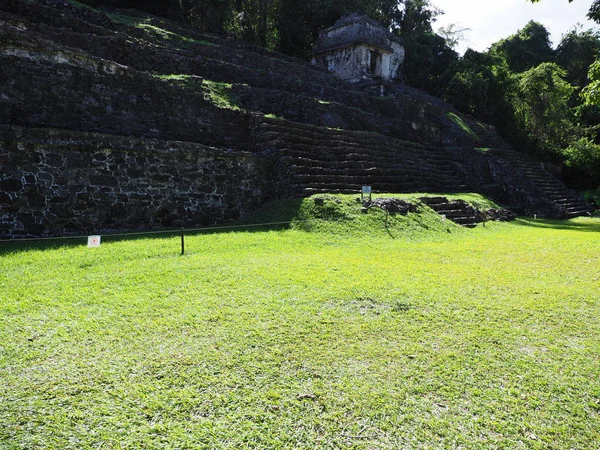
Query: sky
491	20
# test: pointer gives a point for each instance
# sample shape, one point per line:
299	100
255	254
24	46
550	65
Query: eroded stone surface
60	182
357	47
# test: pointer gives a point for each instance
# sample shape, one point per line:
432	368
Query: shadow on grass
273	216
572	224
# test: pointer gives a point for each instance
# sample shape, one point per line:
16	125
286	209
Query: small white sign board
93	241
366	190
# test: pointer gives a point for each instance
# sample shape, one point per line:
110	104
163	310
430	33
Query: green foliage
583	155
593	196
593	13
484	338
213	16
255	22
427	63
591	93
343	215
577	51
299	22
220	94
528	48
541	104
462	125
480	86
417	18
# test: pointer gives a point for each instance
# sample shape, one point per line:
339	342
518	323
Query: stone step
317	154
379	183
577	209
372	172
310	166
344	142
446	206
384	188
301	130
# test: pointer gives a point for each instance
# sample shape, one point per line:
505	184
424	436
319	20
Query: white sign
93	241
366	189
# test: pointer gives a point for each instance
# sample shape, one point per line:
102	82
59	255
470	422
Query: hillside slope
299	130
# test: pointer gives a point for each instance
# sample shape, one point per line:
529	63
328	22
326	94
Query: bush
583	156
593	197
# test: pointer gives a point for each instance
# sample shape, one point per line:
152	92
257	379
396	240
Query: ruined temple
124	121
357	47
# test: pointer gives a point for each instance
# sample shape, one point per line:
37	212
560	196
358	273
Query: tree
213	16
591	93
427	62
528	48
541	104
417	17
453	35
577	51
256	21
593	13
583	157
299	22
480	86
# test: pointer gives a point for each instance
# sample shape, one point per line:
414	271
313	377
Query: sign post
94	241
366	190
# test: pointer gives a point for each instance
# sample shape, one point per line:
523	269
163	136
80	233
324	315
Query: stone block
35	199
103	180
11	185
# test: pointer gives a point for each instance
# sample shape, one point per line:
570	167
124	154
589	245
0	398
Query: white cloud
492	20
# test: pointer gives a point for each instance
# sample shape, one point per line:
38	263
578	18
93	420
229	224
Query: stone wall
96	134
45	85
358	47
55	182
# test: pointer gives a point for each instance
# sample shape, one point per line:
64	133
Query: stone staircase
317	160
116	72
457	211
562	202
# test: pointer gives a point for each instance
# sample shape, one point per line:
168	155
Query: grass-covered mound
345	214
482	338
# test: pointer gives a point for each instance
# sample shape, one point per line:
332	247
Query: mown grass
483	338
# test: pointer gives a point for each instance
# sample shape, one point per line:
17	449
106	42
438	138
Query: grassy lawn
444	338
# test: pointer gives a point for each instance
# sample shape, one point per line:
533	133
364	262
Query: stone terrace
123	73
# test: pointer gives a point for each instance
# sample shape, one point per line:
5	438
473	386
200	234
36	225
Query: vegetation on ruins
498	86
344	336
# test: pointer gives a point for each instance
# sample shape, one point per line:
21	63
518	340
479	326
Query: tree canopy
593	13
526	49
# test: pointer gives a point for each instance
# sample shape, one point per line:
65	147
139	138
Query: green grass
462	125
220	94
484	338
149	25
343	215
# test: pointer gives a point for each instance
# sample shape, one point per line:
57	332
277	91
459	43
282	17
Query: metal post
182	243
